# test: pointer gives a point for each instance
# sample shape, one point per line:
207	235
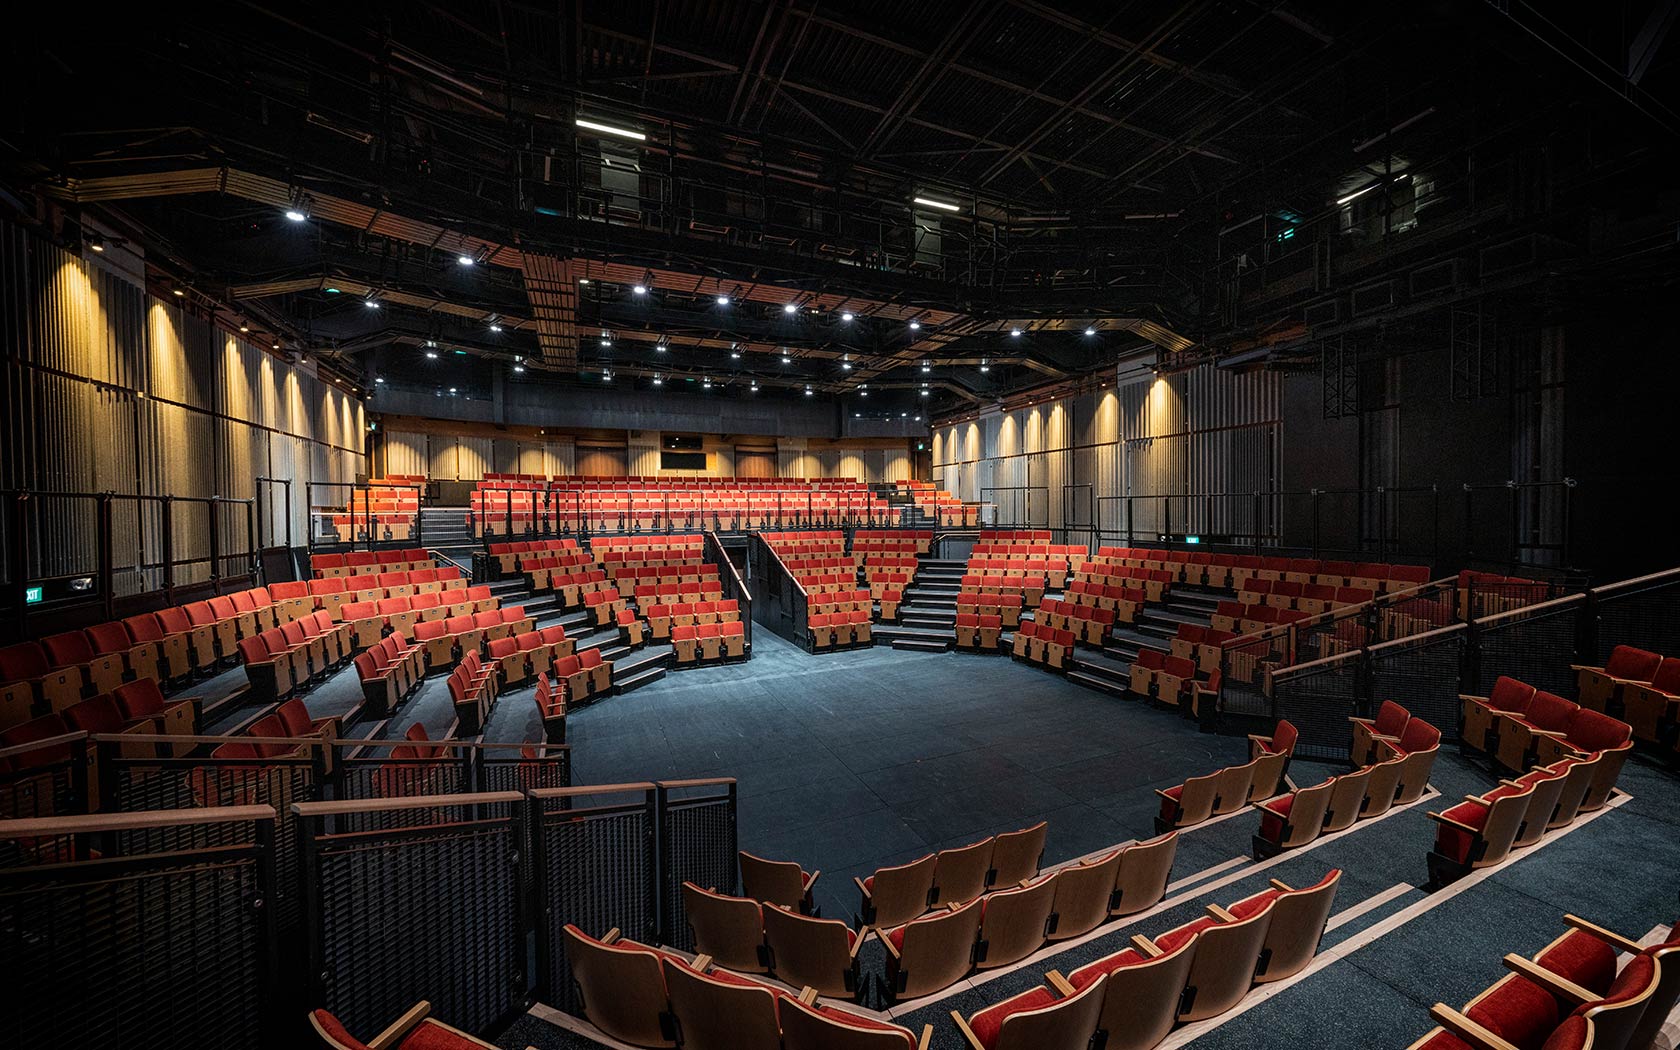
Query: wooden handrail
379	805
39	745
47	827
704	782
591	789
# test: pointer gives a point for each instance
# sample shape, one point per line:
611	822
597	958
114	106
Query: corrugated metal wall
1206	439
108	390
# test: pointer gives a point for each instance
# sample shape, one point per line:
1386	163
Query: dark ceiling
1098	158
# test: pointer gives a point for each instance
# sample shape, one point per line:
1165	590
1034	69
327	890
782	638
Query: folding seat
142	699
555	641
960	873
599	671
1149	662
630	629
1478	832
728	610
712	1009
810	952
1602	688
931	952
330	566
709	640
621	986
1652	709
822	631
1387	726
894	896
990	628
1292	820
179	634
139	659
313	648
259	604
1016	855
1298	918
1189	803
685	644
412	1031
1227	956
599	608
295	721
479	597
425	581
1174	680
1585	956
1281	742
1616	1015
778	882
429	606
514	621
1056	648
397	614
1585	733
335	637
71	655
1284	595
467	634
1036	1020
489	626
291	598
1480	725
513	662
729	929
1142	992
274	670
1512	1012
1013	922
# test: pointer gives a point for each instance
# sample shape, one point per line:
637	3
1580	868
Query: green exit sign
32	595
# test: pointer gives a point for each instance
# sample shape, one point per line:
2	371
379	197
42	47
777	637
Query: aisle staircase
927	617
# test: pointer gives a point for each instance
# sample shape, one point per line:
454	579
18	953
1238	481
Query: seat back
1227	954
1070	1022
1347	799
1141	1004
729	929
815	1028
1145	868
1510	695
1383	783
1298	918
720	1011
1542	803
621	987
900	893
1013	923
1504	819
1267	775
1016	855
1306	815
773	881
1620	1013
1391	719
1577	781
1195	801
1083	894
960	874
935	950
1231	787
806	951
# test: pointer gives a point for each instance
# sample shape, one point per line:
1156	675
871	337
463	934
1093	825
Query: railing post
251	549
107	557
1255	515
1516	525
168	523
215	550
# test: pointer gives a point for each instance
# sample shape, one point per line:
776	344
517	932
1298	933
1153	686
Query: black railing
779	601
346	515
730	578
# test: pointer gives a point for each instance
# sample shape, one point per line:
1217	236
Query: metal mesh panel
1417	611
139	785
424	912
156	951
1421	674
1534	645
45	790
1249	660
1331	636
697	838
374	778
594	870
1319	698
1644	613
552	769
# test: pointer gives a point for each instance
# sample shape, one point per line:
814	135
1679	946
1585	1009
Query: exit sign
1192	539
31	595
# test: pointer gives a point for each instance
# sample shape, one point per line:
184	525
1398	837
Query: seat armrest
399	1028
1061	984
1467	1030
867	896
811	880
857	942
1145	946
1220	913
1450	822
1615	940
1558	986
968	1033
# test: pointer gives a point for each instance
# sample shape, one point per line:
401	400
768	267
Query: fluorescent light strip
608	129
942	205
1361	191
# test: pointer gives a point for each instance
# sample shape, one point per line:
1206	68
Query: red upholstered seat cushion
1635	664
1254	905
1169	810
988	1023
1445	1040
1273	816
1588	730
429	1035
1454	843
851	1020
1283	738
1570	1035
1173	939
1584	959
1519	1012
336	1032
1635	977
1083	976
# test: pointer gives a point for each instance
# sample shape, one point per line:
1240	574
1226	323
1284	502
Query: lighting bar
608	129
928	202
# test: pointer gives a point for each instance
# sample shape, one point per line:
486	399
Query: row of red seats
472	690
707	642
695	573
1251	619
1230	570
1570	996
706	590
368	621
571	576
979	631
840	601
1042	645
1005	606
1521	726
1030	588
1155	583
530	653
1308	597
301	597
840	630
1055	572
389	671
1124	600
1089	624
661	617
357	563
1201	645
295	655
507	554
1015	536
1638	686
1165	677
1233	787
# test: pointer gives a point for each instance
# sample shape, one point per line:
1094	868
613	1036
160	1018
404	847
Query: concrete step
920	645
640	678
1101	685
889	631
927	618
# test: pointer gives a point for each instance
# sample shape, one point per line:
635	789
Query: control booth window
669	460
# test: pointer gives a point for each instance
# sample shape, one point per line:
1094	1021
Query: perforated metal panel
1534	645
149	951
1319	698
697	836
1643	613
1421	674
428	911
594	869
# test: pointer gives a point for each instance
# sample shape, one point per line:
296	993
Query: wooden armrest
1146	946
857	942
927	1037
1281	886
1554	734
1220	913
1166	796
1361	721
1257	739
863	889
1615	940
1063	987
886	942
1384	737
1558	986
812	879
1266	807
391	1036
1478	699
968	1033
1510	784
1466	1029
701	963
808	995
1450	822
612	935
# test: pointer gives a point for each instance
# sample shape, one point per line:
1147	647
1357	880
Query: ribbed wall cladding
1183	440
108	390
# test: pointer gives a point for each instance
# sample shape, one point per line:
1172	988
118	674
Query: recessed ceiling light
790	308
605	341
847	316
707	382
857	415
451	390
608	129
465	260
924	393
1016	332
